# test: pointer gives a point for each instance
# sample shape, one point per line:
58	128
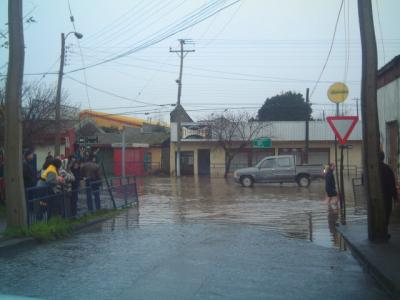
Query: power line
155	40
380	30
110	93
330	50
72	19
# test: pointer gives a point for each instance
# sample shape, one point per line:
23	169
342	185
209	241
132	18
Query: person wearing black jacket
388	187
28	171
330	185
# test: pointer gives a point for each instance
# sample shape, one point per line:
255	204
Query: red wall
134	162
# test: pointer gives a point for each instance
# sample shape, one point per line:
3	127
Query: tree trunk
228	166
15	196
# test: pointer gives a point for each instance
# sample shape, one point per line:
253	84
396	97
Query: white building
389	111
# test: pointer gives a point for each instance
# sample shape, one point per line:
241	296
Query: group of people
388	185
58	175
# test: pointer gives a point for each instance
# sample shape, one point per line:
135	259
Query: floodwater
287	209
199	238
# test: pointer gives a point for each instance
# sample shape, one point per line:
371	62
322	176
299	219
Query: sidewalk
382	261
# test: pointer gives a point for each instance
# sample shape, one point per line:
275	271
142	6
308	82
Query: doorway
204	162
187	159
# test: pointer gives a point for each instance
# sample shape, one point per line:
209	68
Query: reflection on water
288	209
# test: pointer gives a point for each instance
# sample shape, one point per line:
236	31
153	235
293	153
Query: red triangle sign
342	126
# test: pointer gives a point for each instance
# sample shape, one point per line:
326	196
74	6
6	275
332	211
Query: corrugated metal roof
296	131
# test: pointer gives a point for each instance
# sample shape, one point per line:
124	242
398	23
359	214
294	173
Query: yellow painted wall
217	157
155	158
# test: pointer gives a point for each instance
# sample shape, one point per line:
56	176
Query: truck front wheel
303	181
247	181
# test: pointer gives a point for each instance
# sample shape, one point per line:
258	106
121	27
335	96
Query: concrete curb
370	267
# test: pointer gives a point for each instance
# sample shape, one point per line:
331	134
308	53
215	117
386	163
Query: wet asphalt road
200	238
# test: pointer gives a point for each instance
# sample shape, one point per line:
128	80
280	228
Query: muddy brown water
288	209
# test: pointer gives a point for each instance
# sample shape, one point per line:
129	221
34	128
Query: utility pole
15	196
377	229
57	141
356	99
307	142
182	54
123	172
336	160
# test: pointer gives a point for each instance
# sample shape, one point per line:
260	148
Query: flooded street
196	238
288	209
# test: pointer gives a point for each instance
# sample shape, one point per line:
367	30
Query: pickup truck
278	169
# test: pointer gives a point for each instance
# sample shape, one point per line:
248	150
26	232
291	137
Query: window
268	164
284	162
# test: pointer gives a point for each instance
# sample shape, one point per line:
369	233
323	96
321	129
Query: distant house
389	111
201	154
147	145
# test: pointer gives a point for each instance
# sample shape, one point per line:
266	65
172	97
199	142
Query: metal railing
140	168
359	192
63	201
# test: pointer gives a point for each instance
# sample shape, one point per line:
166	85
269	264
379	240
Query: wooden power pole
182	53
15	196
57	141
377	230
307	137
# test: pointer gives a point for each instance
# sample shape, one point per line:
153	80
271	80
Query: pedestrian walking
389	188
90	172
330	185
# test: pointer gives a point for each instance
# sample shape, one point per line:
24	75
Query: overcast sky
247	52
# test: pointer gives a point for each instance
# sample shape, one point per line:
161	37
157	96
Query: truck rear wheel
303	181
247	181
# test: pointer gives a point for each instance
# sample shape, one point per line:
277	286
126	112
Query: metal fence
359	192
63	201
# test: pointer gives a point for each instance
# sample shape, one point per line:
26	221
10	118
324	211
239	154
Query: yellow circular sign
338	92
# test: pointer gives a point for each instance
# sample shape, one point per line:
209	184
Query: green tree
288	106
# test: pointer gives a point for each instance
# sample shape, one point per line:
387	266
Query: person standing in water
330	185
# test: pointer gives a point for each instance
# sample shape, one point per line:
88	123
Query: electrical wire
225	26
155	40
330	50
110	93
72	19
380	31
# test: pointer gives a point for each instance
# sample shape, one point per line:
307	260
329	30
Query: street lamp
57	141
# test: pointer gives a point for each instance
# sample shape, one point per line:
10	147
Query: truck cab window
268	164
284	162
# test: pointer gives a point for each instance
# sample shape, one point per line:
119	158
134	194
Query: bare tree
234	132
38	112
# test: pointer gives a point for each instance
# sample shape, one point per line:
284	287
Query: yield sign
342	126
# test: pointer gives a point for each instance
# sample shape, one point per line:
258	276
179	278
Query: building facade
201	153
389	112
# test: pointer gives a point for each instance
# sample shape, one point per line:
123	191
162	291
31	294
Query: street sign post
342	126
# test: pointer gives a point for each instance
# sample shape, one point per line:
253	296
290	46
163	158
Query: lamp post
57	141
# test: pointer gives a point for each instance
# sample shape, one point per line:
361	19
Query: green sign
262	143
